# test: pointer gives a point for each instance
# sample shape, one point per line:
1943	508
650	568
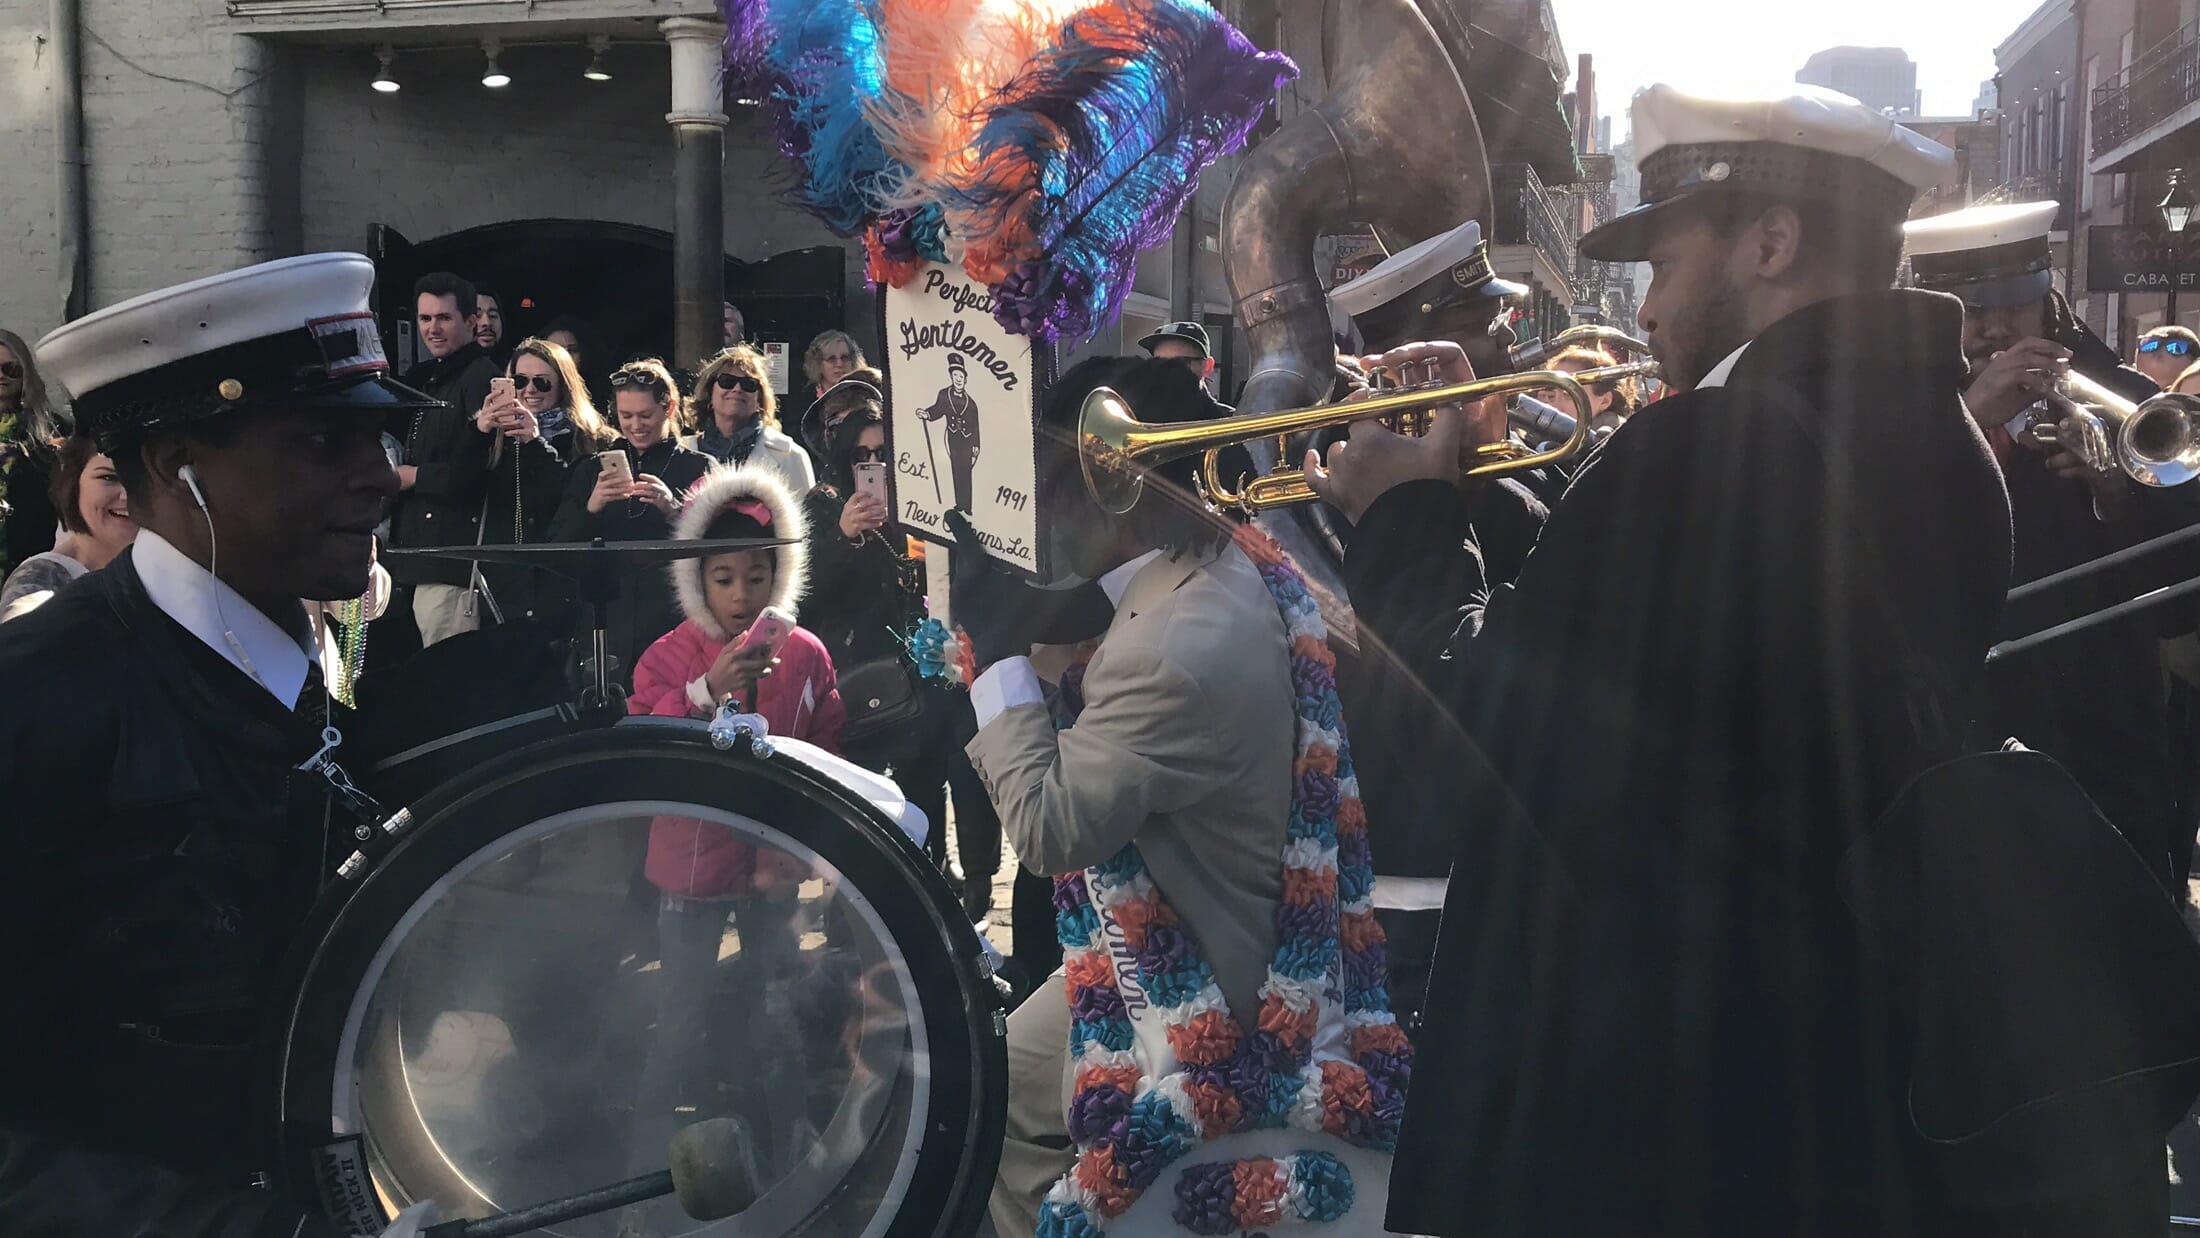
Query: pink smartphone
871	480
769	628
500	383
615	464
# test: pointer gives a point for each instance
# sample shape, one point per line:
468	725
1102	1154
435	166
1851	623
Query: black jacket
158	854
859	597
645	609
1650	1012
444	506
2095	699
26	489
525	491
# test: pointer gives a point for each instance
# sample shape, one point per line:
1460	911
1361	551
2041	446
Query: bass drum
509	1009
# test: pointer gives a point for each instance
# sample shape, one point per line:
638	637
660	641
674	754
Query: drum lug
1000	1022
397	822
352	867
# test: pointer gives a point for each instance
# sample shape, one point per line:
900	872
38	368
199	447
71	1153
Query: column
698	120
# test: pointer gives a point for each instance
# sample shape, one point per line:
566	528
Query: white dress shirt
219	616
1723	370
1011	681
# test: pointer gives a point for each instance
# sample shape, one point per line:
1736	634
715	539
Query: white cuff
699	694
1005	685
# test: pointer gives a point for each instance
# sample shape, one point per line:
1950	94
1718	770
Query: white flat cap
1812	144
1442	269
294	332
1991	256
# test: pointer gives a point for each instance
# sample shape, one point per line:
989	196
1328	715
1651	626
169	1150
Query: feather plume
822	61
1086	157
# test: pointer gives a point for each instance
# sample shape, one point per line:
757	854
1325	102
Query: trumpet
1534	353
1116	450
2155	442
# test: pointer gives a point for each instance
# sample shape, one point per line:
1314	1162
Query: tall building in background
1989	98
1882	78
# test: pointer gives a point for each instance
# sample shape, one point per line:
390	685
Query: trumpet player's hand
1374	460
2015	379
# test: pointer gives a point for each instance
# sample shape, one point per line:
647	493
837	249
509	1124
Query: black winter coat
444	506
645	609
857	600
2096	699
1650	1011
158	854
526	489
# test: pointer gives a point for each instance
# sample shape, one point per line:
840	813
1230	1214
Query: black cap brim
1156	337
1627	238
375	394
2000	293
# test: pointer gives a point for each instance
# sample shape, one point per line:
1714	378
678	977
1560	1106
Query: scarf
1325	985
731	448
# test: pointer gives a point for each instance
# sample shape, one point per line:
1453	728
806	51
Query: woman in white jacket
739	419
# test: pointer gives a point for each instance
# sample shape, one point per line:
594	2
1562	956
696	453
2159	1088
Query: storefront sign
2137	258
775	364
964	394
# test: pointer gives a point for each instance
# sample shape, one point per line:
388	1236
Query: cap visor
1158	336
1627	238
1503	288
1998	293
369	393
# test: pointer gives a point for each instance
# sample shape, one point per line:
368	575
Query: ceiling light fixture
385	56
598	44
492	76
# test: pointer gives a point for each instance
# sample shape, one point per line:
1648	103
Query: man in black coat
159	843
2095	699
1738	637
446	460
1443	288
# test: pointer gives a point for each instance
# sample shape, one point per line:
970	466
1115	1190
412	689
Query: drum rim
954	1170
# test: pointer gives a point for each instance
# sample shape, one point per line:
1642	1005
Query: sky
1753	44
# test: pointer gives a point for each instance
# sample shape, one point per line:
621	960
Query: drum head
599	940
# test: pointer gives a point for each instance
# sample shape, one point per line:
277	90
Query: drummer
163	843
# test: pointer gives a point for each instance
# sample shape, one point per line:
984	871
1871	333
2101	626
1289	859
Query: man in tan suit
1184	745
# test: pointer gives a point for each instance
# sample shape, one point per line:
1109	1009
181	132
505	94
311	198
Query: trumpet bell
2160	441
1105	426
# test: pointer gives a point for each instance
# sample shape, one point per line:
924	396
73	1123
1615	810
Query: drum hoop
460	817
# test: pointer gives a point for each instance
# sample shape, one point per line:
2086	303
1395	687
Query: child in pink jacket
708	872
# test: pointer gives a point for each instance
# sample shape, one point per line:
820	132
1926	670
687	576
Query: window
2016	144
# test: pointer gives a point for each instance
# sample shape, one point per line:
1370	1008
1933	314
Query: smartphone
499	385
615	464
871	480
769	628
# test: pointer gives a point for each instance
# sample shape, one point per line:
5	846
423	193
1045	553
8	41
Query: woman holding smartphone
544	423
739	413
864	589
630	493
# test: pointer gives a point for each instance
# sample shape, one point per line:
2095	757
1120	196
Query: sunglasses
638	378
11	369
2175	348
867	455
730	381
540	382
838	358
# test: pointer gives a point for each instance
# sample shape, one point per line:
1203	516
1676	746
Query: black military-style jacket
159	852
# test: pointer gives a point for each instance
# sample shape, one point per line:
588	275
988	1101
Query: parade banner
964	393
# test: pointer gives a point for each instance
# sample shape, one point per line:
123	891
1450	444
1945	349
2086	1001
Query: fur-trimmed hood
724	485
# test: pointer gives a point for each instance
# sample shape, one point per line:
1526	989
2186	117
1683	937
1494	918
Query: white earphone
190	478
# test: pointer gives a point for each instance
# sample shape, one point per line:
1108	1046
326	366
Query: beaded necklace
1132	1118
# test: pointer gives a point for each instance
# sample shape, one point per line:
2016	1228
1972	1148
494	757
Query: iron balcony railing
2154	88
1527	214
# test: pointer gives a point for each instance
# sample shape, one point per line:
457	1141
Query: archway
617	277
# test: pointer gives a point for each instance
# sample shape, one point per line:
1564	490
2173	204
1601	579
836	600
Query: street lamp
2177	205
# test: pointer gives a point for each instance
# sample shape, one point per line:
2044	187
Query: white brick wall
445	154
174	105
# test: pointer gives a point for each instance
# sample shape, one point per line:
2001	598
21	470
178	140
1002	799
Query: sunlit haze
1728	46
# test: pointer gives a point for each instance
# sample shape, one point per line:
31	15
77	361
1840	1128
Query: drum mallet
708	1173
